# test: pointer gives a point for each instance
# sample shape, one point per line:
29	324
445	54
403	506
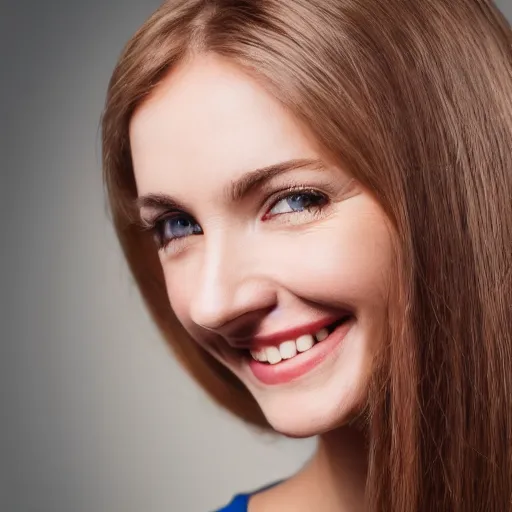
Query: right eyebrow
158	201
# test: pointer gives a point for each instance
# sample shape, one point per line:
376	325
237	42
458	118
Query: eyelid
148	223
330	186
295	187
284	194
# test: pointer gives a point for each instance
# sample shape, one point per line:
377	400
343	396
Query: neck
333	481
337	472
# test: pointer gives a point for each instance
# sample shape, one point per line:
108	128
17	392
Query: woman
314	197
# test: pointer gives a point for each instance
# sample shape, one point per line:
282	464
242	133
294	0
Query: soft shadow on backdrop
96	415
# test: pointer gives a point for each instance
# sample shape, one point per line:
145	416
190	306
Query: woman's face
260	255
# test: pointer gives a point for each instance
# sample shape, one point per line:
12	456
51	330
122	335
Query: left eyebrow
237	189
244	185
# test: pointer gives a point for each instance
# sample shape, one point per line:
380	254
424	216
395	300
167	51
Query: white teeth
273	355
259	355
304	342
288	349
322	334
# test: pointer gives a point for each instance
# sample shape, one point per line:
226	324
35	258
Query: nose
233	289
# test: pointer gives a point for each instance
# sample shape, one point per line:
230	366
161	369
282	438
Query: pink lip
293	333
291	369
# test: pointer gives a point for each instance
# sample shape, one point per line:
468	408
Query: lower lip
291	369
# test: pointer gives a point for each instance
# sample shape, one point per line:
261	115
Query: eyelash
157	225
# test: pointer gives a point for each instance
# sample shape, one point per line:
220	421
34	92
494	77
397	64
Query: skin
262	265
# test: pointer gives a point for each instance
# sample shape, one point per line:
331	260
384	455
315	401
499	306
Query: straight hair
414	99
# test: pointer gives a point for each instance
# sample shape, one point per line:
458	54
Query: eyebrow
239	188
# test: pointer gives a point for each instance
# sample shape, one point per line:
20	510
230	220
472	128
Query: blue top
239	504
241	501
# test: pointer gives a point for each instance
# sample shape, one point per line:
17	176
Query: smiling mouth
272	355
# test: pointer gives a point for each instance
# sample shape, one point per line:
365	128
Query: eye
297	202
168	229
176	226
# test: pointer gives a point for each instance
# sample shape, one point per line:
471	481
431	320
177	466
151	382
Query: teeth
259	355
273	355
321	334
304	342
288	349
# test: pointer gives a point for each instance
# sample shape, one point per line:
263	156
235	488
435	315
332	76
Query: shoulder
238	504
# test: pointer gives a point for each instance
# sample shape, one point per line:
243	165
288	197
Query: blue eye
170	228
176	226
297	202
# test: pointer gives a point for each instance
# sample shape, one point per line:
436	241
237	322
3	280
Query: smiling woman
315	200
263	244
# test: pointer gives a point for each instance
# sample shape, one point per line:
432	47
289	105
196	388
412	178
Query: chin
311	413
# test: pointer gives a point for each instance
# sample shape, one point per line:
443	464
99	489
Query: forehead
208	122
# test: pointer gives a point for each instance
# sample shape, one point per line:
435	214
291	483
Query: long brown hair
414	99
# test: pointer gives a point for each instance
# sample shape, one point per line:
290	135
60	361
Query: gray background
95	414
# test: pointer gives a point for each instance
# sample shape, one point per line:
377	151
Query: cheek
179	290
345	258
348	260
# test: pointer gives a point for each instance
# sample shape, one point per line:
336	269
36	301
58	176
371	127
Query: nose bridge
231	282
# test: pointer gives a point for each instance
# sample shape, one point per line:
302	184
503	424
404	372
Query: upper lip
293	333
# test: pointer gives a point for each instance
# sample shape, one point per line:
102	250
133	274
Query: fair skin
239	271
